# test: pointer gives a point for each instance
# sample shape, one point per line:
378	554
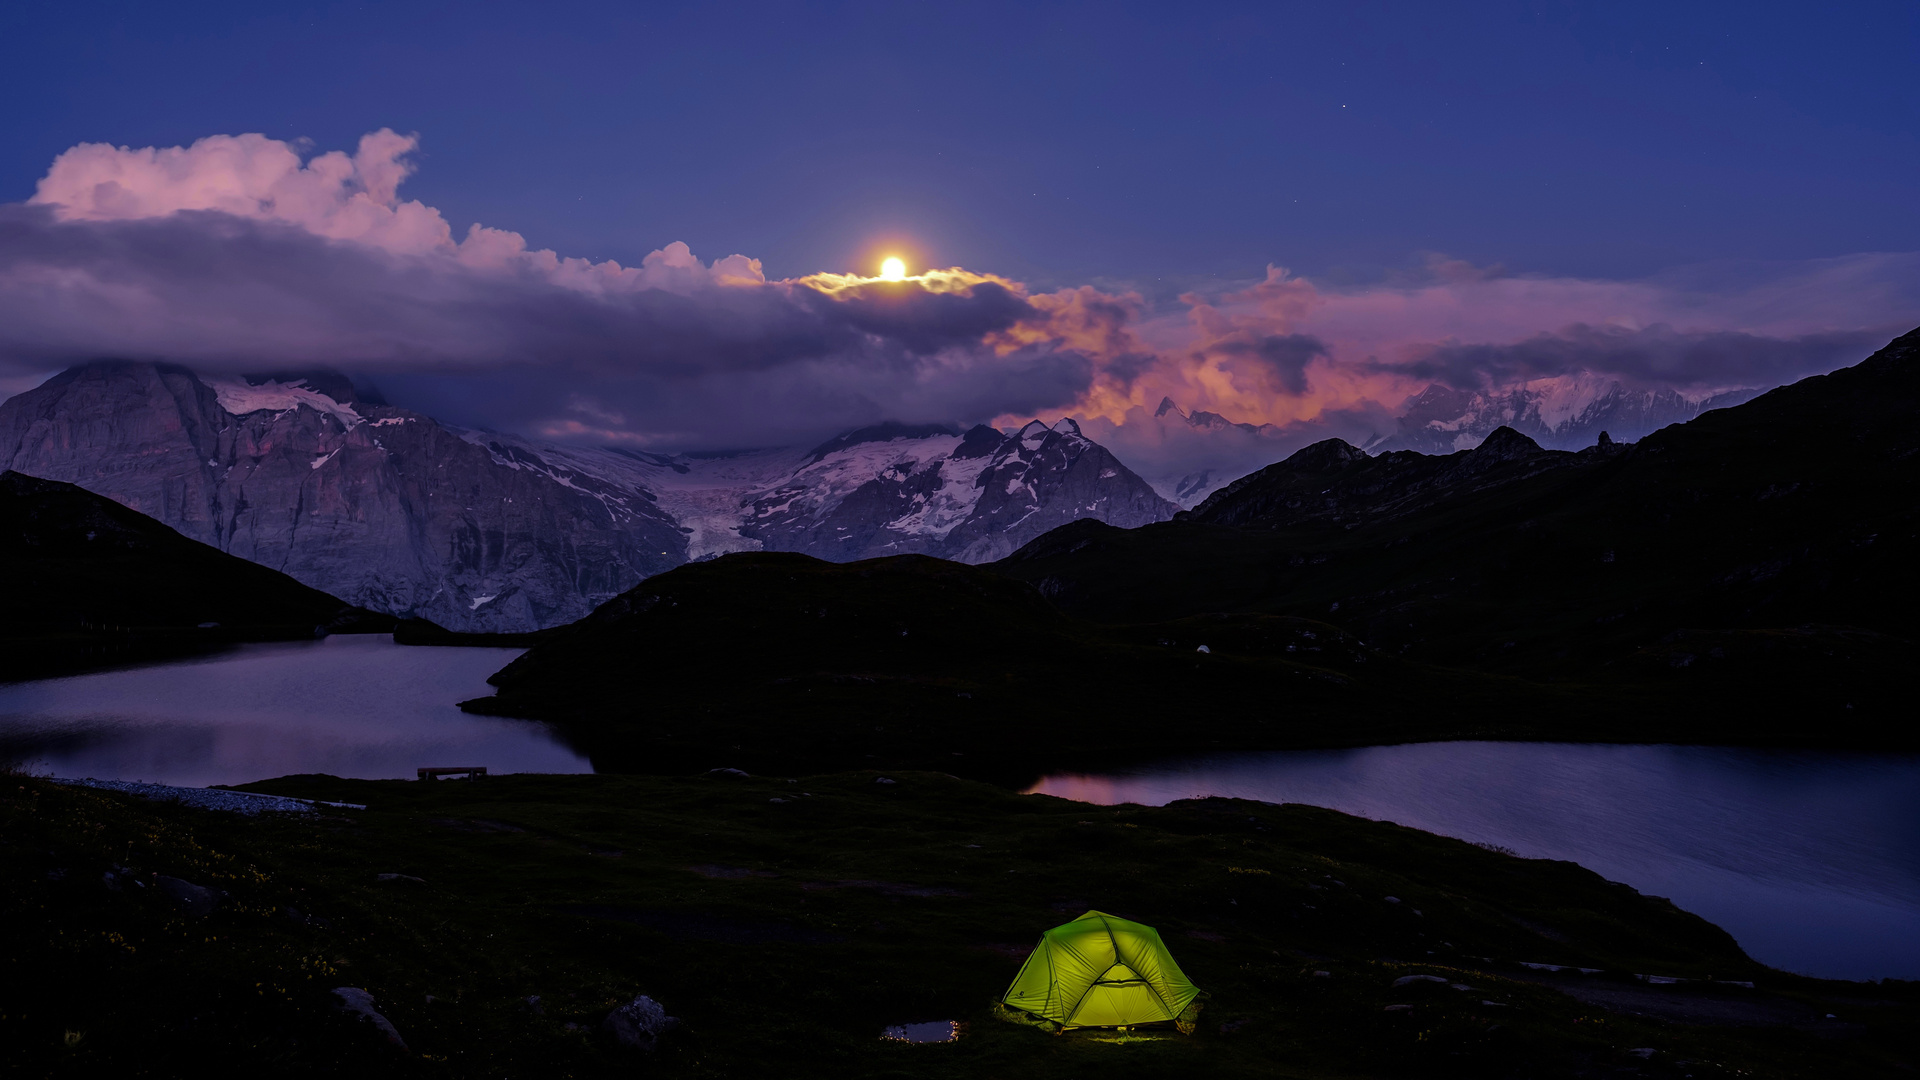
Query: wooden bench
471	771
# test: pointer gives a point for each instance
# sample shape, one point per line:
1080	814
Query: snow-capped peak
1562	412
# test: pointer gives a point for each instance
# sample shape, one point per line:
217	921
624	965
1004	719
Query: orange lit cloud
242	252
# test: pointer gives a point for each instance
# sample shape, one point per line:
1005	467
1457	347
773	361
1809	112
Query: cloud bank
235	253
243	253
1700	361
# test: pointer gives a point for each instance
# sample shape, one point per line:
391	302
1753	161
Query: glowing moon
893	270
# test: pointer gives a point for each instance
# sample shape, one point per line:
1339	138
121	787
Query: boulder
354	1000
197	901
639	1024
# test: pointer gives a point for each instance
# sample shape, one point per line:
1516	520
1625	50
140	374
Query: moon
893	270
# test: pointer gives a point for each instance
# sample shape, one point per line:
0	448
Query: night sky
1289	214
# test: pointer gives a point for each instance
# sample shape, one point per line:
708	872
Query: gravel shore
238	802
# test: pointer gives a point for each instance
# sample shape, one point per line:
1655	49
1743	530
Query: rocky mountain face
486	532
1209	421
377	505
89	582
1240	447
971	498
891	489
1563	413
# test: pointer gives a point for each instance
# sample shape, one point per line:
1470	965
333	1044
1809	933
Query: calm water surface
351	705
1811	860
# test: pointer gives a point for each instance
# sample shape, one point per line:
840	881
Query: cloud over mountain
1655	355
236	253
244	253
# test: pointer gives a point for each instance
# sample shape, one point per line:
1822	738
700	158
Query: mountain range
1195	453
485	532
1566	412
1756	559
889	489
1748	577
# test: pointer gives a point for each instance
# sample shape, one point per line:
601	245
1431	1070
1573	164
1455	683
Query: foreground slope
88	581
787	923
1757	559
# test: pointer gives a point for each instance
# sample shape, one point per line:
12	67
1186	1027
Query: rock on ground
197	901
639	1024
360	1003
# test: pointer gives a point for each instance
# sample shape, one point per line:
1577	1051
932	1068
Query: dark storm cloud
1653	356
1288	355
213	290
1127	367
201	286
781	406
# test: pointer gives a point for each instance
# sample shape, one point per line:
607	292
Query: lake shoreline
457	904
1801	854
356	705
363	706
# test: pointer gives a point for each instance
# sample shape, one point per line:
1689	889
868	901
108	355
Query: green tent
1101	971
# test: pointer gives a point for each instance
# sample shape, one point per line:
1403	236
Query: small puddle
933	1031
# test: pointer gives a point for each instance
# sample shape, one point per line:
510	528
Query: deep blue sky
1059	144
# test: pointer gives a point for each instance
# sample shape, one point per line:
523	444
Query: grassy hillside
788	921
771	660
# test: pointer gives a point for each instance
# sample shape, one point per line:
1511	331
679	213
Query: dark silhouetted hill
773	661
1755	560
1745	578
89	582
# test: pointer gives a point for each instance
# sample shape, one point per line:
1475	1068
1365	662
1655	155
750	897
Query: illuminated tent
1101	971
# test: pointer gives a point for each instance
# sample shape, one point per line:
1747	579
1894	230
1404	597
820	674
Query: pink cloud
241	251
251	176
1285	350
340	197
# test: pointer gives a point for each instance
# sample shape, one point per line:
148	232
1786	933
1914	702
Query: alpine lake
711	891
